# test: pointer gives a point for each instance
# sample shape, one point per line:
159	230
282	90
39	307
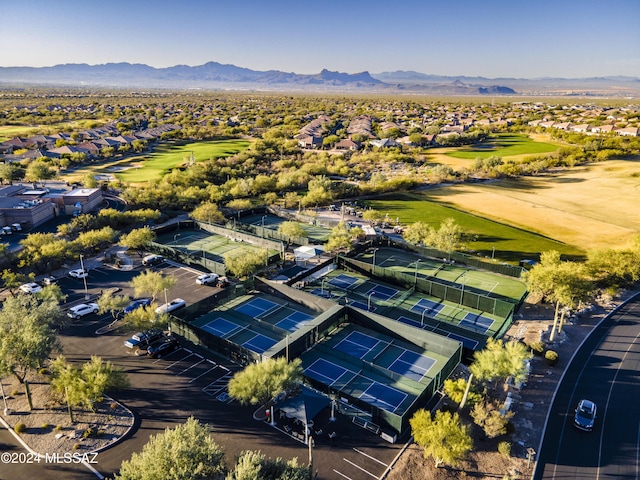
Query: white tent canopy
307	251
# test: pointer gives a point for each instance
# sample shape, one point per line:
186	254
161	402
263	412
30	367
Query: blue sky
491	38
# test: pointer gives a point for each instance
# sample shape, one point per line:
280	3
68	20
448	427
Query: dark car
162	348
585	416
142	339
142	302
151	260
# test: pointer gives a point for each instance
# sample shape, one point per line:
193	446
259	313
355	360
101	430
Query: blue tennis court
221	327
259	343
357	344
256	307
294	321
377	394
318	292
382	292
476	322
412	365
428	307
383	396
343	281
362	306
466	342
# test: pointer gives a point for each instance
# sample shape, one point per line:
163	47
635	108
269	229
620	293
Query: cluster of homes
586	128
89	142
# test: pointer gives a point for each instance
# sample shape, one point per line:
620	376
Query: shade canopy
304	406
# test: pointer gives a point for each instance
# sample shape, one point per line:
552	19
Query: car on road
82	310
30	288
162	348
78	273
585	416
142	339
136	304
151	260
174	304
207	279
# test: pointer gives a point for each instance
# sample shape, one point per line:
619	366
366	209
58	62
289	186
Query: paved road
606	371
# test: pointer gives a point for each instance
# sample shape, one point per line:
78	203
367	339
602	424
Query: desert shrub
20	427
58	428
505	448
537	347
15	392
44	426
76	446
551	357
113	405
89	432
42	371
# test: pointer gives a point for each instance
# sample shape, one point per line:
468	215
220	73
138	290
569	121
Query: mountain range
216	76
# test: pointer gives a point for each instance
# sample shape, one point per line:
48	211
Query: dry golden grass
593	206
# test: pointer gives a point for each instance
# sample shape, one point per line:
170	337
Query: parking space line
360	468
341	474
212	368
369	456
178	361
189	368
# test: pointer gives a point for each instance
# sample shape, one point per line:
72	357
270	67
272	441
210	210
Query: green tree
151	283
86	385
260	382
499	360
208	212
487	416
372	216
340	238
444	437
292	229
243	262
9	172
137	239
455	390
27	334
566	284
186	452
252	465
12	280
38	171
112	303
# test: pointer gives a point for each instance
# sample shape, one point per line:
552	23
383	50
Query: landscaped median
48	429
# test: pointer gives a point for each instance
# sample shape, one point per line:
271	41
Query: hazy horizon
493	39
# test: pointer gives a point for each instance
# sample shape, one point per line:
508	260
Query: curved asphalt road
606	370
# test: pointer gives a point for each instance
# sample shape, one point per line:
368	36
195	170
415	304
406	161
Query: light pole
175	236
263	217
422	318
415	280
373	265
493	252
84	278
322	286
369	301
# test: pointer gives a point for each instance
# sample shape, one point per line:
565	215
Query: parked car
174	304
162	348
222	282
585	416
208	279
30	288
82	310
6	231
151	260
78	273
50	280
136	304
142	339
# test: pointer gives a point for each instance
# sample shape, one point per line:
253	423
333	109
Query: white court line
203	374
341	474
369	456
360	468
189	368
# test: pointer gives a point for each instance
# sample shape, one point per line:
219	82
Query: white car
174	304
78	273
30	288
207	279
82	310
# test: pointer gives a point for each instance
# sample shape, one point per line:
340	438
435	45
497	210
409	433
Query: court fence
432	287
303	218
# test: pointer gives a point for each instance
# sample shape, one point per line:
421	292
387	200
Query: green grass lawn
503	145
169	156
511	244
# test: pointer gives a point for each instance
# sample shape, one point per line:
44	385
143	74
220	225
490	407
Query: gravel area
48	426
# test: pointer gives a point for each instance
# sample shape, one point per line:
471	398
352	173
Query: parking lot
186	382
